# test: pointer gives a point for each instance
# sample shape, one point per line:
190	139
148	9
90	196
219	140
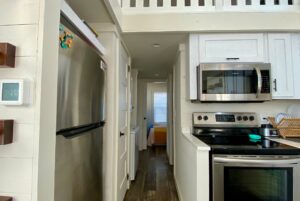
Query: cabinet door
232	48
280	56
296	64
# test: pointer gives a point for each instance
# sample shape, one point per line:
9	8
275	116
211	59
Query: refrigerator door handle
80	130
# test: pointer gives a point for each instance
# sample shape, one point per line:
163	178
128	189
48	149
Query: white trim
69	13
177	188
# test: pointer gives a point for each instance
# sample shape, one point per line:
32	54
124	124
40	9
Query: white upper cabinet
281	59
231	48
282	50
296	64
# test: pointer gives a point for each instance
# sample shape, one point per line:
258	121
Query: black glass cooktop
244	144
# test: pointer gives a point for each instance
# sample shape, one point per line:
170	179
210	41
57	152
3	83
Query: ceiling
92	11
150	61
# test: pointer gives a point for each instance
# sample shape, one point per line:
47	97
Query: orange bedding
160	135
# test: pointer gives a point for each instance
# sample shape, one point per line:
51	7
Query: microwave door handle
259	81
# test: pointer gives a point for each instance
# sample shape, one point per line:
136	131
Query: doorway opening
155	168
157	114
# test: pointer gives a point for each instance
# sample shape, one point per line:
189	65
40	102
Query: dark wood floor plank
154	179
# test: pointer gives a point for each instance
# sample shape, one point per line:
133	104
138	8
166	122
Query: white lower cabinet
280	57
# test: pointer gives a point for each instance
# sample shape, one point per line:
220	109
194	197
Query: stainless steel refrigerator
80	120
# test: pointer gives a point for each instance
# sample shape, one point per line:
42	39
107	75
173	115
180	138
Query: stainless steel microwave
234	82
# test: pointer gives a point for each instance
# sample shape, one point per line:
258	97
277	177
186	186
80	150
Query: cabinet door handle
233	58
275	84
122	134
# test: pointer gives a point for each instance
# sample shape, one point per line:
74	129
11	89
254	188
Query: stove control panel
225	119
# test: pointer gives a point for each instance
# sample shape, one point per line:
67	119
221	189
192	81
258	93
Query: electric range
236	133
244	166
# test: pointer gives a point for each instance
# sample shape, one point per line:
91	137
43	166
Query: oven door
256	178
234	82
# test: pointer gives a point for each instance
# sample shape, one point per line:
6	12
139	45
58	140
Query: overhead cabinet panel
231	48
282	50
296	63
280	57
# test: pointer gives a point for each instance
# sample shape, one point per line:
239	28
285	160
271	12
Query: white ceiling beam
73	18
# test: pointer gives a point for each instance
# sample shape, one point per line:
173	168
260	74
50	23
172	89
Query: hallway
154	181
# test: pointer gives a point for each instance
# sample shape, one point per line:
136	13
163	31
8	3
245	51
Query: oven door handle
247	160
259	81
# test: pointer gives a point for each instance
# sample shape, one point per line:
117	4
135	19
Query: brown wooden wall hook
5	198
6	132
7	55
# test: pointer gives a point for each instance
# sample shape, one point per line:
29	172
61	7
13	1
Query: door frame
142	110
122	51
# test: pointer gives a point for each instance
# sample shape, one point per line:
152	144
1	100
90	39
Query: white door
280	55
123	126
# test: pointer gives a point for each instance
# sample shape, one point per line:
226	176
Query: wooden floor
154	179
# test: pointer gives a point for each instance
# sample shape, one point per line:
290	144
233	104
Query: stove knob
205	118
239	118
245	118
199	117
251	118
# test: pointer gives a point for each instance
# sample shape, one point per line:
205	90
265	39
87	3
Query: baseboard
178	189
170	162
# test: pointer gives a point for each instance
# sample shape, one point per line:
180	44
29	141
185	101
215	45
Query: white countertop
198	144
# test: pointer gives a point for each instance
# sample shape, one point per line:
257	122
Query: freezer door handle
79	130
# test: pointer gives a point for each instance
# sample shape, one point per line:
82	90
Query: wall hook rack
7	55
5	198
6	132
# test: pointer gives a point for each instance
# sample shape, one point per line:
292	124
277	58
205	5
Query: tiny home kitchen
232	70
240	115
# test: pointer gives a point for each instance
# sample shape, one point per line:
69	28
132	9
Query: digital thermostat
12	92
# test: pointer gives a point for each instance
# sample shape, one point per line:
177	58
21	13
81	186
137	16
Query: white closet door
123	126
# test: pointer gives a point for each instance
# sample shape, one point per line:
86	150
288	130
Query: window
160	107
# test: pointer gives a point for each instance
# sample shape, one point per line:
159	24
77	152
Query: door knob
122	134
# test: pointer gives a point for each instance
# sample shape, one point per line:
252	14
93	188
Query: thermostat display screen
10	91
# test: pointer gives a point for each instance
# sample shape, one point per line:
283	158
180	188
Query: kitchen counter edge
198	144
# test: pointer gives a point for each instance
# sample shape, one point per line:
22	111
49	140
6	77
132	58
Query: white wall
110	42
212	22
185	155
27	165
